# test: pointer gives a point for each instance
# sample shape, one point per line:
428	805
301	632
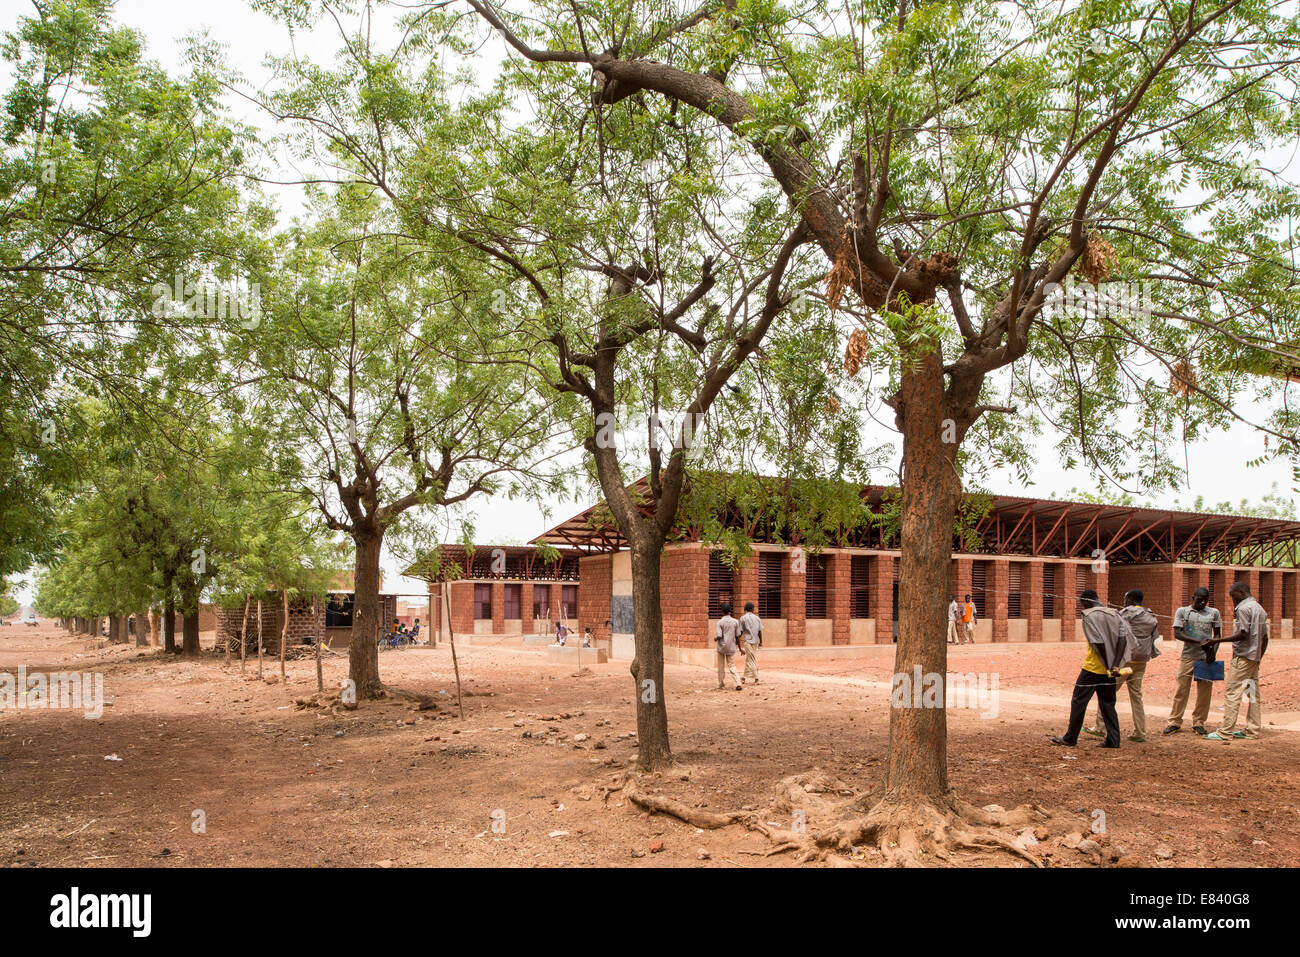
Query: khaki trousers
751	661
970	632
725	665
1134	682
952	633
1204	691
1243	676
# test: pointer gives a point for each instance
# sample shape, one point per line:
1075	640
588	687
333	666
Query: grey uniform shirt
1146	628
1199	625
752	625
954	613
728	632
1250	617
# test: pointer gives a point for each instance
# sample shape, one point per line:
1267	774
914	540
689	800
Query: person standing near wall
968	620
727	644
1249	640
1194	625
953	614
1146	629
751	627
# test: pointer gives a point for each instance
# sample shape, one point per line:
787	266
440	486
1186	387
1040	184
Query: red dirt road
390	785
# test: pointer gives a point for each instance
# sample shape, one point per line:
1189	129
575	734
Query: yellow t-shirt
1093	663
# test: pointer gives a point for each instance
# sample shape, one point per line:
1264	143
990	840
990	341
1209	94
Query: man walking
953	614
728	633
968	620
751	627
1249	641
1194	625
1146	629
1110	644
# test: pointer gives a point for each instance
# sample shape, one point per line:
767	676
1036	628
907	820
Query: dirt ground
513	785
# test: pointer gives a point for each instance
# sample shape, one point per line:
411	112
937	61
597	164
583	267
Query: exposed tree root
901	832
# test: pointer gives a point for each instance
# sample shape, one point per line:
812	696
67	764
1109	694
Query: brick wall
793	593
596	575
461	600
839	595
684	596
882	597
1031	600
746	582
526	607
999	582
303	623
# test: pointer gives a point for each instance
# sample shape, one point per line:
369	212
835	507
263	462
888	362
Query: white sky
1215	467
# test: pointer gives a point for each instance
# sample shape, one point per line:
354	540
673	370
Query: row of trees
633	213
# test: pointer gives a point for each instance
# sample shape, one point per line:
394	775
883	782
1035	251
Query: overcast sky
1215	467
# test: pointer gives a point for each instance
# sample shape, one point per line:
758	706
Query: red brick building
512	592
1035	557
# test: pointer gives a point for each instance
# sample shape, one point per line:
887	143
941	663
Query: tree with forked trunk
351	372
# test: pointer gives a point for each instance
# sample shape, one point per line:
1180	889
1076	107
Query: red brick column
792	597
1032	594
1270	595
526	608
684	597
1219	594
498	608
461	601
839	594
882	597
597	573
1066	584
997	603
1101	579
746	583
554	604
961	579
1291	582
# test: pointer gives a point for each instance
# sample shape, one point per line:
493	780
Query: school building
1035	557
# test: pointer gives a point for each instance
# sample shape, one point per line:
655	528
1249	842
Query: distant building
1036	556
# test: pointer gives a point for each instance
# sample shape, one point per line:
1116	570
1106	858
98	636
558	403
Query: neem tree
115	177
350	367
619	292
956	163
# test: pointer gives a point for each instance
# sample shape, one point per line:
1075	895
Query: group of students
1120	643
965	615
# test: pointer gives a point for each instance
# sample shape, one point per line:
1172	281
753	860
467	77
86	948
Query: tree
956	164
116	178
384	424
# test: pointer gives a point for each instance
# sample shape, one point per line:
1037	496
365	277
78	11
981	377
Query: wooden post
451	636
259	638
320	681
284	633
243	635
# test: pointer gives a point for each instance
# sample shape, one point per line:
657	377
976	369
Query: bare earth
392	785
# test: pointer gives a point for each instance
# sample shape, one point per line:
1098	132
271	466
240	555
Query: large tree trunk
169	627
363	651
142	629
648	664
155	628
190	633
918	736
